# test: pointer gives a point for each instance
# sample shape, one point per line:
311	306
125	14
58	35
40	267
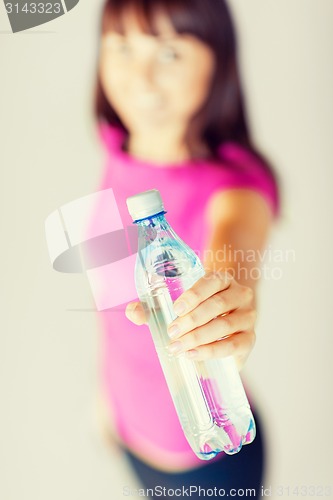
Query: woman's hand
216	318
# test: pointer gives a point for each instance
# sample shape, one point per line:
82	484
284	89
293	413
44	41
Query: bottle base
233	442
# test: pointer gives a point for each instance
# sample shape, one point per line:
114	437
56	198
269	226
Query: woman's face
155	81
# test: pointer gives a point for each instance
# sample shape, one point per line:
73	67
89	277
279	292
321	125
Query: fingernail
179	307
174	330
175	347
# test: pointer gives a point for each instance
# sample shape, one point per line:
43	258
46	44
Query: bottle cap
145	204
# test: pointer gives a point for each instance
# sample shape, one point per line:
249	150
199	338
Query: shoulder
242	207
250	188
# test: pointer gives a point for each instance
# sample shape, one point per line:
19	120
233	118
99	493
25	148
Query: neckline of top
113	137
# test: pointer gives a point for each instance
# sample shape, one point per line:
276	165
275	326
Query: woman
171	116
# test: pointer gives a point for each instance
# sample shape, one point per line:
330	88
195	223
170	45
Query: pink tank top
132	378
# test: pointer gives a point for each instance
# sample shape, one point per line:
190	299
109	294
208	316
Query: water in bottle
208	395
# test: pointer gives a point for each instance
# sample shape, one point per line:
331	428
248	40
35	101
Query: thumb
135	313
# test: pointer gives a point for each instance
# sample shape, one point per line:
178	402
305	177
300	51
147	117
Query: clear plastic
208	395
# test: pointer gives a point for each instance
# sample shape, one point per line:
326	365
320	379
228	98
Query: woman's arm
220	307
240	221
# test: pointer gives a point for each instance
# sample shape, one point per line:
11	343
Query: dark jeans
242	471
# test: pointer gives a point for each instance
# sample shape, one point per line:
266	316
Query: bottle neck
157	221
154	229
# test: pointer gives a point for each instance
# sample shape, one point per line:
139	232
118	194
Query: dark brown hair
224	113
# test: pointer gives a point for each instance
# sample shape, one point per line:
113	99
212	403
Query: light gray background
50	440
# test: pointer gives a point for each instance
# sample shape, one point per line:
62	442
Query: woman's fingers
238	345
206	286
220	303
222	326
135	313
217	319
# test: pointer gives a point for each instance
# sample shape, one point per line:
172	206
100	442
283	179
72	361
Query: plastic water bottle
208	395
